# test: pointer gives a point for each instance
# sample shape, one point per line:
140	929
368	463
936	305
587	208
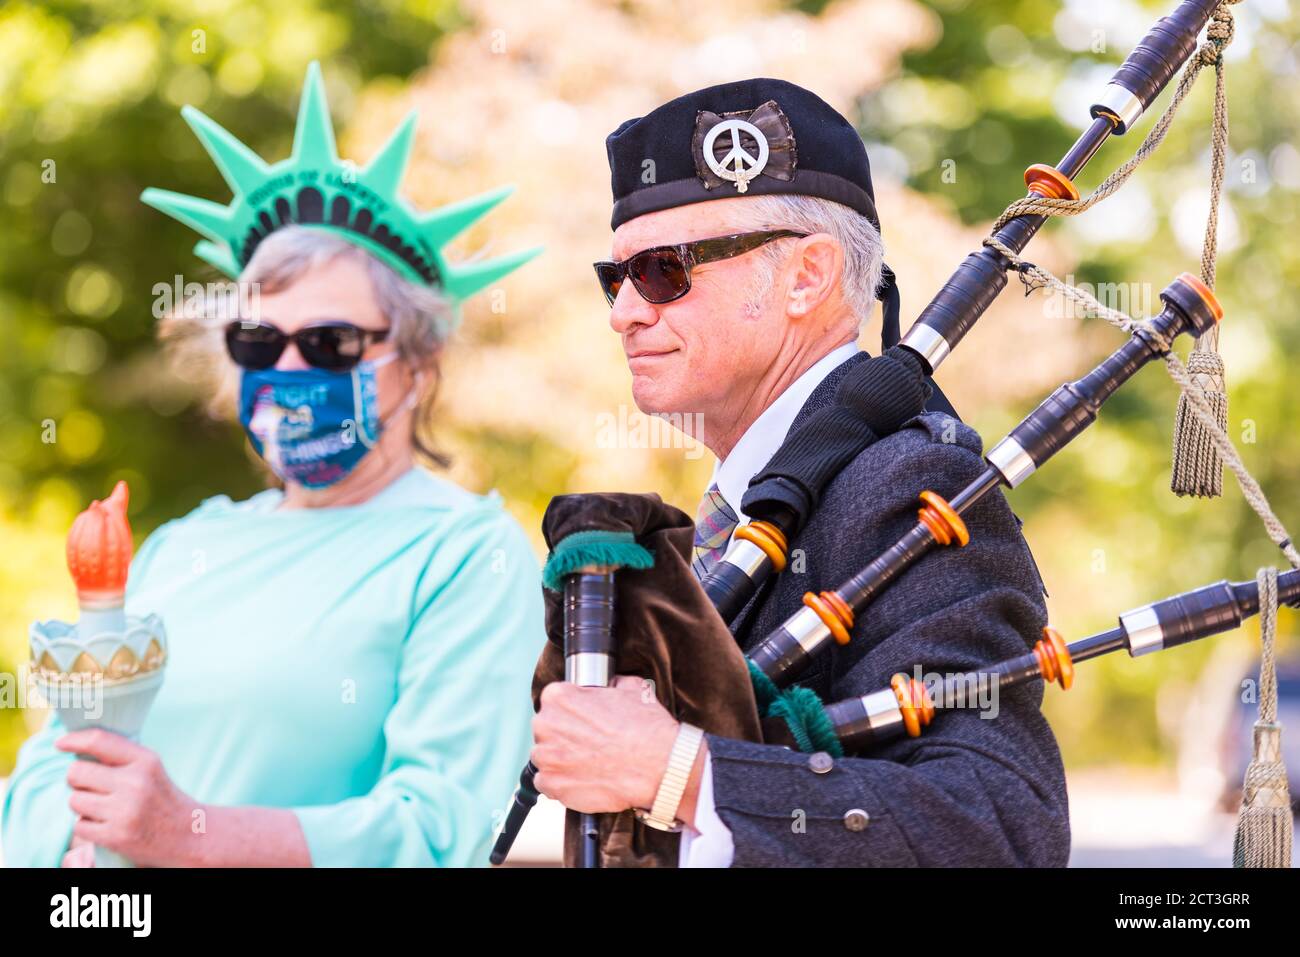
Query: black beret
775	137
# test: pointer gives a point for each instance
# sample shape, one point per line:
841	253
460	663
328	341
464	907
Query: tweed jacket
973	789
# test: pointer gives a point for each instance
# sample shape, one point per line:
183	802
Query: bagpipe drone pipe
589	646
828	617
648	598
909	704
884	392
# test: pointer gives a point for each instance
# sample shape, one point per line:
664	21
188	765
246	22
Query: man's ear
816	268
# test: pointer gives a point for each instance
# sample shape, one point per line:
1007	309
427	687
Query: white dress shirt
709	843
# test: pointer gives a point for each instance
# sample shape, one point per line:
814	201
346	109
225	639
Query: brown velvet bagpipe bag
666	630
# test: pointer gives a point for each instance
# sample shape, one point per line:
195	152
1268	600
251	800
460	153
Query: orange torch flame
99	550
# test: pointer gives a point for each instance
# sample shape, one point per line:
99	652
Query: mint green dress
366	666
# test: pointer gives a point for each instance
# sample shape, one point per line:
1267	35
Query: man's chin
653	397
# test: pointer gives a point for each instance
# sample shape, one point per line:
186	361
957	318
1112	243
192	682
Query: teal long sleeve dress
366	666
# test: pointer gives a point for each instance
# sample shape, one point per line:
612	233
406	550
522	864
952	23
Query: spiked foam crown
314	188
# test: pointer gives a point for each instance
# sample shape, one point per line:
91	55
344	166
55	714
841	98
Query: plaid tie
713	525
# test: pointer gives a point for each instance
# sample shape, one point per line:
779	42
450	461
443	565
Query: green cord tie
765	689
801	710
585	549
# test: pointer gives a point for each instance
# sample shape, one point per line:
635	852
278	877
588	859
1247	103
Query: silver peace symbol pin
738	166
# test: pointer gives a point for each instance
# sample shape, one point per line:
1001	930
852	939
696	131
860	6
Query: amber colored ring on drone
1054	661
942	520
1049	182
914	703
1204	291
834	613
767	537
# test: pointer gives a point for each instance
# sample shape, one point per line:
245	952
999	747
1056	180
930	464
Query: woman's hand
81	853
127	803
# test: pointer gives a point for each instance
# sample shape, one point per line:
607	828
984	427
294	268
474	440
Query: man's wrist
682	771
691	796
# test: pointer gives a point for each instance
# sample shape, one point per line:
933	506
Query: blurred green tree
1008	84
89	116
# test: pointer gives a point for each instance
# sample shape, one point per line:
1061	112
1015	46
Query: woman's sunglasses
335	346
663	273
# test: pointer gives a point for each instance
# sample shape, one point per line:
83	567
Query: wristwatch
663	813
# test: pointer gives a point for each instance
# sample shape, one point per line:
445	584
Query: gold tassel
1264	823
1198	469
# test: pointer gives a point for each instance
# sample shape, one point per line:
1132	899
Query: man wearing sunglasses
746	260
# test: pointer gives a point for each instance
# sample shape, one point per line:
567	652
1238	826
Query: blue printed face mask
312	426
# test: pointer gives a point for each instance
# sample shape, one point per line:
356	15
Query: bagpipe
830	615
684	644
889	389
589	654
640	549
909	704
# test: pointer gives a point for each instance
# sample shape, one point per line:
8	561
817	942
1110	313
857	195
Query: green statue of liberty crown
314	188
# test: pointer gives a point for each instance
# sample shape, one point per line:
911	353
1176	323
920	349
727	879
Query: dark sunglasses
335	346
663	273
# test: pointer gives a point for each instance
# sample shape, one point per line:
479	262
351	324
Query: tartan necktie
713	526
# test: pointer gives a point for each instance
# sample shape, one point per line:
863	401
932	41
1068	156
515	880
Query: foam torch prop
908	706
104	670
1189	307
887	390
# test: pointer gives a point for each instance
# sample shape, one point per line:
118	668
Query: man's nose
630	310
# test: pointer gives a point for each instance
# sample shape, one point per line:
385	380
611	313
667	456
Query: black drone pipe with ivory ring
908	705
1190	307
758	550
971	289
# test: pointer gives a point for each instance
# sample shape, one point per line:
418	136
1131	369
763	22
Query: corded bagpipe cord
1261	821
1264	824
1197	462
1202	446
1197	469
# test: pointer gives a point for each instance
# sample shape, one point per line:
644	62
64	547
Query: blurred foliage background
954	98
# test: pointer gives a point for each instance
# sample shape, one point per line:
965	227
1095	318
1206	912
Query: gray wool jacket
971	790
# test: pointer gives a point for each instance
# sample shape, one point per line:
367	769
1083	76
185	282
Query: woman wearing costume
350	653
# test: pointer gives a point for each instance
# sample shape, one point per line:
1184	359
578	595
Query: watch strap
681	760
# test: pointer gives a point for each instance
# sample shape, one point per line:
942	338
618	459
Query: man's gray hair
864	251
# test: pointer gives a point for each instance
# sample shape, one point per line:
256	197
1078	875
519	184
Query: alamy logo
102	910
656	430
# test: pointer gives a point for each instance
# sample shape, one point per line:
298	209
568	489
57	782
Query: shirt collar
761	440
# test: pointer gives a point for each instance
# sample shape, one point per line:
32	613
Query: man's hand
603	750
127	803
